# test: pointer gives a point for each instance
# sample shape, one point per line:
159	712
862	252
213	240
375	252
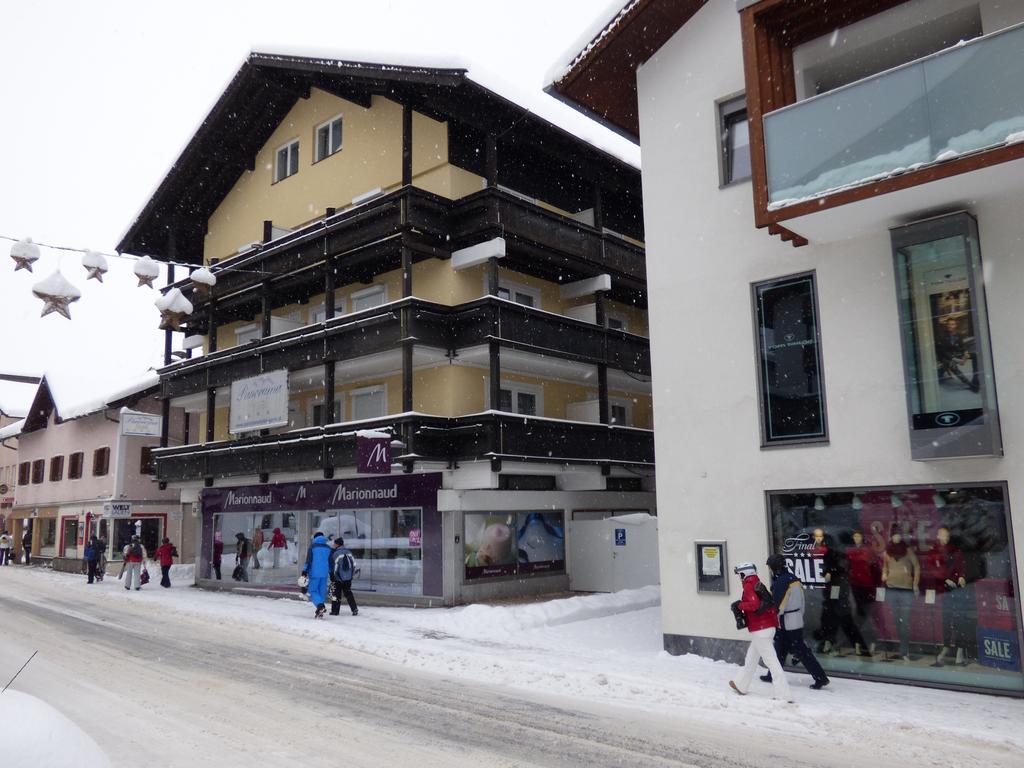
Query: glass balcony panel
961	100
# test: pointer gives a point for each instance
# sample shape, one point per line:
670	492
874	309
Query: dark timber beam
406	145
211	410
491	160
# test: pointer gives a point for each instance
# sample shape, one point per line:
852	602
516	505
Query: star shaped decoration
171	321
146	280
147	271
95	273
57	294
95	265
25	253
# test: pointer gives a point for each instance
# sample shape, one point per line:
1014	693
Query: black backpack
765	596
136	550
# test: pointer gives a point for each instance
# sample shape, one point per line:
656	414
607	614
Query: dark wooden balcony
435	325
490	436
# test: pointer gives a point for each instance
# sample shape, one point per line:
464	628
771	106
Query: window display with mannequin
865	578
835	606
901	576
943	573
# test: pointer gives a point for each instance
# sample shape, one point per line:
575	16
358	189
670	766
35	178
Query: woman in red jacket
277	543
166	553
762	620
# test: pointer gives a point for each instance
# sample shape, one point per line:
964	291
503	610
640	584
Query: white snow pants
762	647
133	574
277	557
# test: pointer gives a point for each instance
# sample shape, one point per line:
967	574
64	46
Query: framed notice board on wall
711	567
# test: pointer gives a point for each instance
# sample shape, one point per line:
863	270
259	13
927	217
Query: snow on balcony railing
958	101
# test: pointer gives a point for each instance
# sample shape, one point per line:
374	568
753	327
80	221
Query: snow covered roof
16	397
63	396
268	84
12	430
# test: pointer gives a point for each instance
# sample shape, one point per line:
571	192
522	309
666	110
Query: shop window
56	469
792	392
75	462
47	536
38	468
286	161
24	473
914	584
513	544
70	537
947	356
387	545
328	138
146	466
733	140
100	462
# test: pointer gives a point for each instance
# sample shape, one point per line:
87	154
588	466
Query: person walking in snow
218	552
257	547
243	550
166	553
92	558
762	620
26	546
317	569
133	557
277	543
343	570
5	548
788	596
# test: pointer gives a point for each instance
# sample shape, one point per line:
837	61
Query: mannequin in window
835	605
942	569
901	576
865	575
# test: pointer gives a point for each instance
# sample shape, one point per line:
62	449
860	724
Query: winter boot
939	659
960	660
819	684
320	611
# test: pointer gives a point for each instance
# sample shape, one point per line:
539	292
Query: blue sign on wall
620	537
998	648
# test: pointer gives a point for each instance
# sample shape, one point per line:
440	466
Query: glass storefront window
513	543
70	534
789	361
148	529
47	537
261	563
947	359
385	543
915	584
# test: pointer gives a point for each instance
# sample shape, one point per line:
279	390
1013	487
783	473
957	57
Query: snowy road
183	677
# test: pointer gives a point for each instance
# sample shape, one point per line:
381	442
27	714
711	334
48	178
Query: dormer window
286	161
328	138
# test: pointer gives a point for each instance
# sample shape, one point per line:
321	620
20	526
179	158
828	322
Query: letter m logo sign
373	455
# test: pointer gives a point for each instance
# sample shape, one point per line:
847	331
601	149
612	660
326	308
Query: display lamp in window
25	253
174	308
95	264
57	294
147	271
204	280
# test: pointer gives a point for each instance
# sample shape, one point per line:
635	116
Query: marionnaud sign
136	424
373	453
259	402
117	509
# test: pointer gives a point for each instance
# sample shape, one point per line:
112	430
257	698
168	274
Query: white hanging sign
259	402
117	509
136	424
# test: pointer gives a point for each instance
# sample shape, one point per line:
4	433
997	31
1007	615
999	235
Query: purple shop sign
359	493
373	454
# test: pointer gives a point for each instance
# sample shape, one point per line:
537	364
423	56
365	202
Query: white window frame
513	288
362	391
373	290
277	160
247	330
329	125
516	387
339	410
320	309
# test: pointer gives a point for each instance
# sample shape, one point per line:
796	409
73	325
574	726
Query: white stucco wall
703	253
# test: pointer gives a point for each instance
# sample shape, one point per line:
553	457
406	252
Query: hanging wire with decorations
58	293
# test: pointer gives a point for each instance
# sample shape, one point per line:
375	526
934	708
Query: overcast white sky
99	98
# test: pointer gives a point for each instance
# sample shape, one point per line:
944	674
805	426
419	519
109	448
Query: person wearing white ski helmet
762	620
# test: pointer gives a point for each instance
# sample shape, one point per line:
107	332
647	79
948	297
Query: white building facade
836	341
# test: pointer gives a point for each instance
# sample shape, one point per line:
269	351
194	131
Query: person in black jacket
92	558
788	596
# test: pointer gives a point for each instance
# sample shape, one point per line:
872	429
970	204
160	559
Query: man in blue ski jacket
318	568
788	595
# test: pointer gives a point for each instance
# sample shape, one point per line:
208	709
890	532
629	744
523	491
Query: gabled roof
48	402
16	393
268	85
598	75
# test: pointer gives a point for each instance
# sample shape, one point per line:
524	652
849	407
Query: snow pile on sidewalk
34	733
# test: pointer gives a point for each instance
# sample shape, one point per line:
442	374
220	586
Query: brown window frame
24	472
146	465
101	462
56	469
38	471
76	462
